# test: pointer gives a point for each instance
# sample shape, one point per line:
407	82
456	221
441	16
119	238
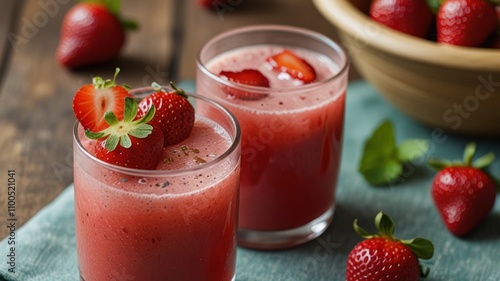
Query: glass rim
281	28
235	143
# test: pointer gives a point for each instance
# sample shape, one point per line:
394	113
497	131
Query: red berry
92	101
145	153
91	33
249	77
131	142
413	17
466	22
174	114
212	4
463	194
298	68
381	257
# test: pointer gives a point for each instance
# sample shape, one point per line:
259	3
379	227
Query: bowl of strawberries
436	60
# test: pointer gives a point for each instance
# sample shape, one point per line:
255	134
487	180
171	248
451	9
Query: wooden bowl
447	87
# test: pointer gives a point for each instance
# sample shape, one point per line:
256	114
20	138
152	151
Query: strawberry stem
114	7
178	91
469	152
421	247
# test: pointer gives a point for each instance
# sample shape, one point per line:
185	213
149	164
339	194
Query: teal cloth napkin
45	246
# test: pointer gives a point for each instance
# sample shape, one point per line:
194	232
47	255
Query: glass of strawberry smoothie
291	126
177	222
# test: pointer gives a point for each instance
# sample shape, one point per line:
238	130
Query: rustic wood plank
201	24
35	101
8	17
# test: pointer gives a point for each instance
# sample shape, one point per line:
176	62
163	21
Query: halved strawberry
92	101
174	114
131	142
250	77
298	68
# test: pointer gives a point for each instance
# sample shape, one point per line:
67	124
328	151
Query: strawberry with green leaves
383	161
463	193
174	114
92	101
130	142
92	32
382	257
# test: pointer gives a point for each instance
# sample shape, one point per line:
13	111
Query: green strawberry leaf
119	132
422	248
112	142
111	118
141	131
469	151
438	165
360	231
131	108
125	141
413	149
434	5
385	225
484	161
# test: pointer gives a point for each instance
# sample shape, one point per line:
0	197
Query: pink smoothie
177	226
291	139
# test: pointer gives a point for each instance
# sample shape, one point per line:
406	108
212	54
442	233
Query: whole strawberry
462	192
381	257
92	32
413	17
174	114
131	142
466	22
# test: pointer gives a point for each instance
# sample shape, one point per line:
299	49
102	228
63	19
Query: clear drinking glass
161	224
291	132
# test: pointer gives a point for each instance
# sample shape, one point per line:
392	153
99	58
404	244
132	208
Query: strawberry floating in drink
174	114
463	193
382	257
92	32
249	77
298	68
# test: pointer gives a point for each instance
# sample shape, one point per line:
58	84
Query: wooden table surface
36	118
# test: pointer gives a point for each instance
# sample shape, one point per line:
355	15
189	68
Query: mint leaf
382	162
383	140
384	171
379	164
412	149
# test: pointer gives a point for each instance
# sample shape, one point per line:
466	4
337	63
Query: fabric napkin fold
46	248
45	245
